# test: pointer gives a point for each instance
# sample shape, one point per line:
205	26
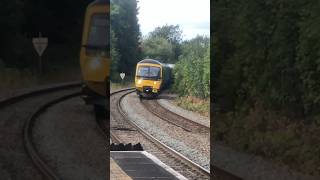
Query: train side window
99	33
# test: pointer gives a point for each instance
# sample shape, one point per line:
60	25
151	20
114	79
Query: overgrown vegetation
192	71
128	82
192	64
125	35
266	79
164	43
13	79
192	103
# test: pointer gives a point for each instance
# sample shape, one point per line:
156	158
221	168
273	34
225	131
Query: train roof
150	61
168	65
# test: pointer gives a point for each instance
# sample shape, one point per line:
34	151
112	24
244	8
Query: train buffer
141	165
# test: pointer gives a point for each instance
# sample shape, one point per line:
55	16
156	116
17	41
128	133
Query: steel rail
171	121
21	96
27	137
29	123
114	138
160	144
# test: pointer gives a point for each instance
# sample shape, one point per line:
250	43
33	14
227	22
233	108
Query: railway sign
122	75
40	44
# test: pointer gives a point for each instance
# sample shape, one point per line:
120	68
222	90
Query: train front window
148	72
98	39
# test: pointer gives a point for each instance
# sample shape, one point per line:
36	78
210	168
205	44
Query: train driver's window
148	72
155	72
143	71
98	38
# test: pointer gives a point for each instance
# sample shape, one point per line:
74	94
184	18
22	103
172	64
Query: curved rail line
19	97
218	173
28	142
113	137
28	125
159	144
188	125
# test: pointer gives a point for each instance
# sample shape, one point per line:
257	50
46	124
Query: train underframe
148	92
93	98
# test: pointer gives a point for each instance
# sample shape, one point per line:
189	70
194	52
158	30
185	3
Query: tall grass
272	135
191	103
116	82
13	79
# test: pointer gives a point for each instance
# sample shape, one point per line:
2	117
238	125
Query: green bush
192	71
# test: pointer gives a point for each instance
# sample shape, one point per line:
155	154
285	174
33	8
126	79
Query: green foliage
308	62
158	48
115	56
170	32
190	103
124	25
273	136
127	82
169	49
267	51
266	78
13	79
192	72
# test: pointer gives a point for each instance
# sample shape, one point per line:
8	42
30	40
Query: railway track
188	125
28	107
128	132
132	132
158	110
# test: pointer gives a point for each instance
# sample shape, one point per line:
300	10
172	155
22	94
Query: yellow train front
95	53
150	78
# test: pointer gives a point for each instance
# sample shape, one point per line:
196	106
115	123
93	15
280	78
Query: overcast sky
193	16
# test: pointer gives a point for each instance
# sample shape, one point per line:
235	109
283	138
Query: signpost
122	75
40	44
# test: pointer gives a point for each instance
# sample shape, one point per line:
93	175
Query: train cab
148	77
95	53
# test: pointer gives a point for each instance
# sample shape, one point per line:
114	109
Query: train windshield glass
148	72
99	32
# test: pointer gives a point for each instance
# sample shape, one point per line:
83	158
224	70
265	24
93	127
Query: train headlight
155	82
139	81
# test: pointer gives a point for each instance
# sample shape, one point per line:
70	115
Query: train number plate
154	90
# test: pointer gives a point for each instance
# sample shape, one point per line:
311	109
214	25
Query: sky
193	16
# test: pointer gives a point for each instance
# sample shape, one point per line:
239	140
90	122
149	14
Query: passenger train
152	77
95	53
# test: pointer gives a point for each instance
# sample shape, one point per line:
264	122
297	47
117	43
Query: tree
266	77
308	62
124	24
11	20
256	54
158	48
173	34
115	56
192	71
